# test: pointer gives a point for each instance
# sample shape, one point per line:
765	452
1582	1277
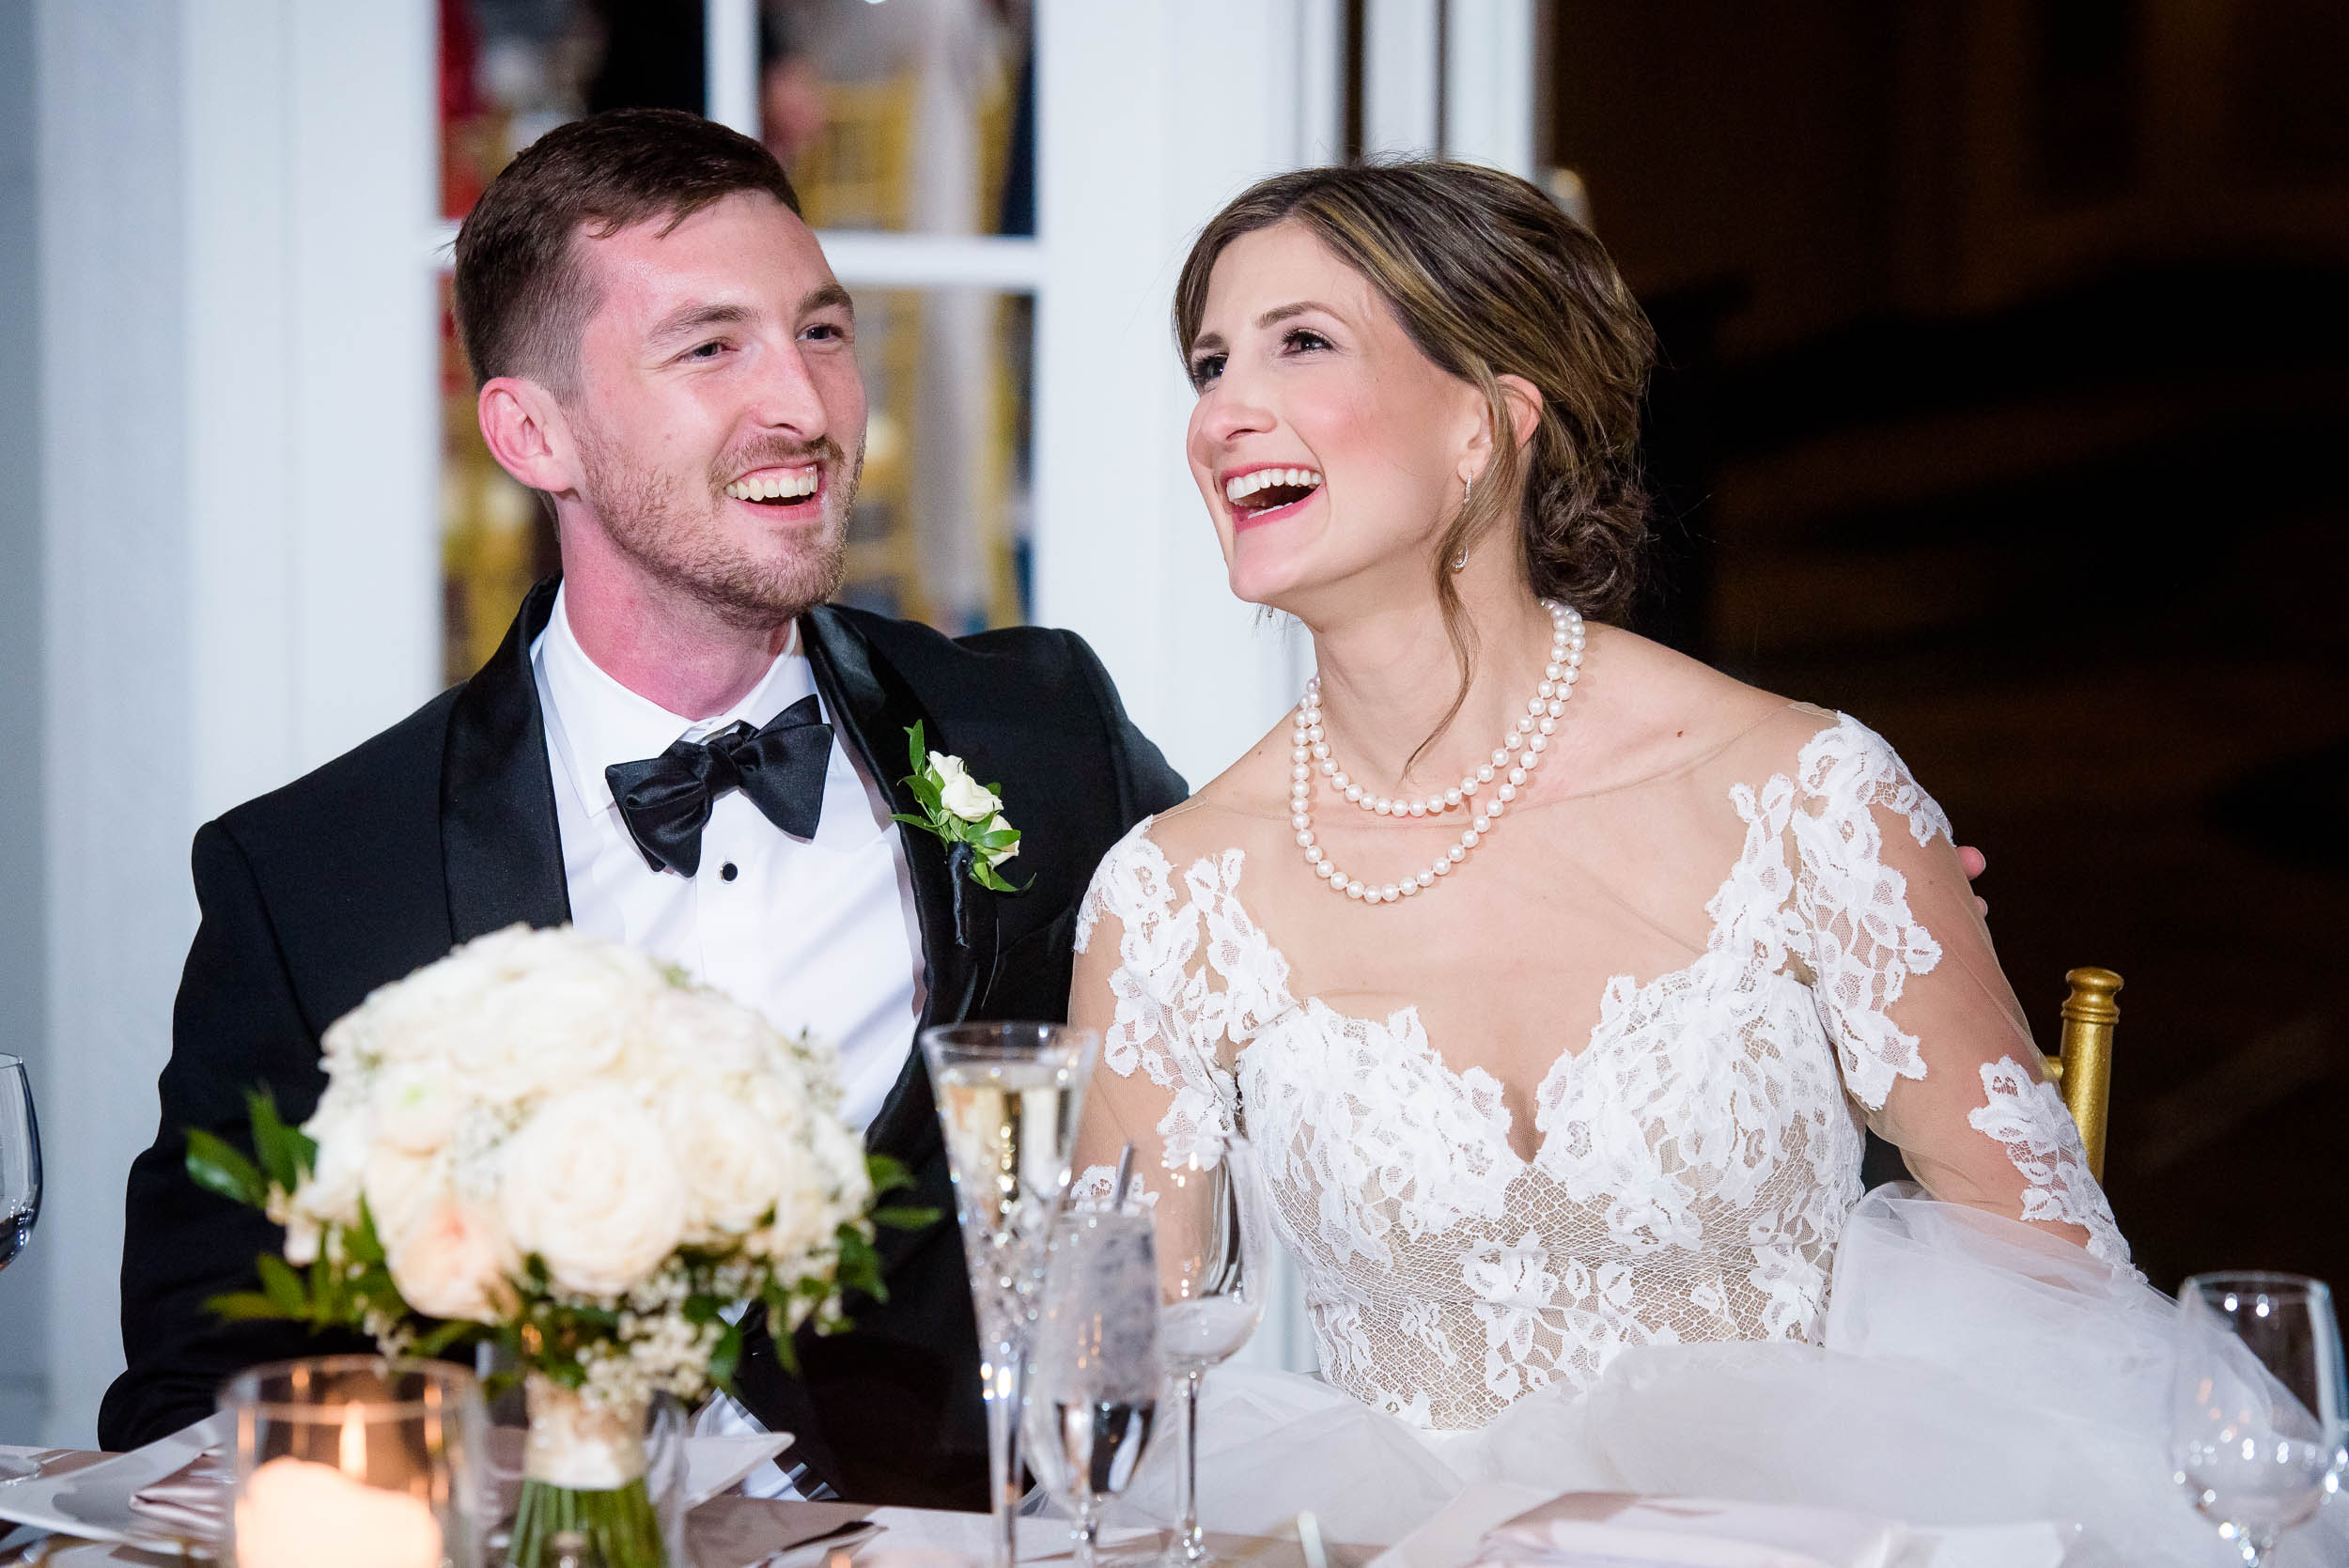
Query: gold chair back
2082	1068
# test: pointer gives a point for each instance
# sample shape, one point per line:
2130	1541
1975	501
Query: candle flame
354	1446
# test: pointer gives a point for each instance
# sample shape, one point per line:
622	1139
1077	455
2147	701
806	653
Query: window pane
915	116
941	528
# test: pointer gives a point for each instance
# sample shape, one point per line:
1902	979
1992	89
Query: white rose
416	1107
962	794
732	1160
997	856
588	1185
401	1190
456	1263
331	1196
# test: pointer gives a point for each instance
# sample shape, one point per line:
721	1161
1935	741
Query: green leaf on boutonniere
992	840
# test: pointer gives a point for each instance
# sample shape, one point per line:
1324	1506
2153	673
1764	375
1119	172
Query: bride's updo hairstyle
1490	279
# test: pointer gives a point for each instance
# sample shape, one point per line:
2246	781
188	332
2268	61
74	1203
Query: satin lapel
874	710
500	848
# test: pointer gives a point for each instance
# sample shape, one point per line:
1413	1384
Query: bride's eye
1302	340
1205	369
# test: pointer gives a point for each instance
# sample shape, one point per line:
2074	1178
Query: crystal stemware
2256	1406
20	1189
1094	1372
1213	1275
1008	1096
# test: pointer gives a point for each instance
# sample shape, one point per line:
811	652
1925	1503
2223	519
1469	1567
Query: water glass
2256	1408
1213	1276
1094	1369
1008	1097
356	1461
20	1189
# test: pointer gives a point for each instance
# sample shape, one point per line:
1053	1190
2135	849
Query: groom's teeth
795	483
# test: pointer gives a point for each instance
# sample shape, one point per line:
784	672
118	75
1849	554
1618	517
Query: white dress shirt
817	934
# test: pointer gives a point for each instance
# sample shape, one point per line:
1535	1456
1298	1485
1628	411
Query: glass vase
614	1476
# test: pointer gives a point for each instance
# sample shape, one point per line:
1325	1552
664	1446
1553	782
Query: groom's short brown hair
521	300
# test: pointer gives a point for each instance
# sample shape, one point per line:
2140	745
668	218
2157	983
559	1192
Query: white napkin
1613	1530
94	1502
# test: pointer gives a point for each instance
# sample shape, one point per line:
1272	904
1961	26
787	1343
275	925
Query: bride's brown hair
1489	279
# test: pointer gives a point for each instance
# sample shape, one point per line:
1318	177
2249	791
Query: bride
1555	976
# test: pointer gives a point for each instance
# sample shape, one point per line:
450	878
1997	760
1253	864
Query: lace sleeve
1930	1037
1142	980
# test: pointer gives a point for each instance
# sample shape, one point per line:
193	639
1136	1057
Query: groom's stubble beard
681	534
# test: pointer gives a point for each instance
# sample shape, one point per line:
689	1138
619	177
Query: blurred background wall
2002	380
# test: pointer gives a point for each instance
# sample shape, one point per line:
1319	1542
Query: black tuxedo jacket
443	828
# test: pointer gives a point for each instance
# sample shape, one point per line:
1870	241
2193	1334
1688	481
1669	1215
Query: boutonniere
962	814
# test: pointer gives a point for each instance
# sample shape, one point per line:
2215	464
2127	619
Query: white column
1490	55
1399	77
1150	116
237	508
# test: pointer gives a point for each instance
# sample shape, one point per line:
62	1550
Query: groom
663	352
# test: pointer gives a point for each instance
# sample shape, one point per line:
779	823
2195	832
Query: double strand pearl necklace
1513	761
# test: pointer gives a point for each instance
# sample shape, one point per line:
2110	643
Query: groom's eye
706	351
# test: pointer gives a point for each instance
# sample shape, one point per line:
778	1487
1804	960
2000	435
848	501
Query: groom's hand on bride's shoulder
1975	862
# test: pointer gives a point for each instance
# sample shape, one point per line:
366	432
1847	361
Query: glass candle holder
357	1460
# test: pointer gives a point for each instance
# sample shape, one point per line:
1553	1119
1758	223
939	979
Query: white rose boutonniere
960	812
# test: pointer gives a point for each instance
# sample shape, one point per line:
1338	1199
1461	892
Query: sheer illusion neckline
1405	1030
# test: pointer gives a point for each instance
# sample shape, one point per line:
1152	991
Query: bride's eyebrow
1206	343
1279	314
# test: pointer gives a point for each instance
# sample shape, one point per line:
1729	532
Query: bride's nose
1227	411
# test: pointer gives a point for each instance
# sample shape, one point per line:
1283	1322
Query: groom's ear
525	429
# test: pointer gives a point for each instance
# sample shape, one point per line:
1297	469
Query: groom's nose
790	392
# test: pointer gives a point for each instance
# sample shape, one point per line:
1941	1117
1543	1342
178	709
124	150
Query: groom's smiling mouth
777	487
1267	494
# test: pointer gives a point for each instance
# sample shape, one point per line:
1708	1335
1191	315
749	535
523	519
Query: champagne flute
1008	1096
1212	1279
2256	1406
1094	1372
20	1190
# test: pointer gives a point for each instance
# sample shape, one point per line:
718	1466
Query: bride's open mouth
780	489
1268	494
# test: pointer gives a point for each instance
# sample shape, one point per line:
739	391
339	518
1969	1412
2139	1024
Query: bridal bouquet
561	1145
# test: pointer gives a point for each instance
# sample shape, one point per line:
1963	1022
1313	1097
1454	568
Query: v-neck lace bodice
1693	1160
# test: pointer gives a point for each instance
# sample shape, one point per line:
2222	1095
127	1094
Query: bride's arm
1137	937
1931	1038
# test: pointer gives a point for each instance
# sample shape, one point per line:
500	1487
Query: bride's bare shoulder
1244	807
1654	711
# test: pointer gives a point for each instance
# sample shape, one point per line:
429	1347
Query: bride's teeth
1239	488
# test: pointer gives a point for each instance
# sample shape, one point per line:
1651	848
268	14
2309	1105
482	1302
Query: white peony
456	1261
590	1187
733	1161
959	792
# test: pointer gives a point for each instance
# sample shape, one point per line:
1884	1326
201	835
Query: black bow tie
666	801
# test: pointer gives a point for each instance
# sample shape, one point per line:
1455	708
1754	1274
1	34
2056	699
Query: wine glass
1212	1279
1008	1096
20	1190
2256	1406
1095	1370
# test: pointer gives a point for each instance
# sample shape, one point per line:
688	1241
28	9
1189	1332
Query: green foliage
215	1166
949	829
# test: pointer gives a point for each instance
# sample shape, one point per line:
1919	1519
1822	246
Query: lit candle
295	1513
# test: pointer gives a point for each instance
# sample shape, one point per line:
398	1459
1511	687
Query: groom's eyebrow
690	318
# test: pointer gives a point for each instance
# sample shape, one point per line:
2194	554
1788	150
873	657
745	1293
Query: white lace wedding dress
1676	1285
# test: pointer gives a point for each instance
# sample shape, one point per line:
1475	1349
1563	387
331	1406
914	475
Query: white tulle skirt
1974	1372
